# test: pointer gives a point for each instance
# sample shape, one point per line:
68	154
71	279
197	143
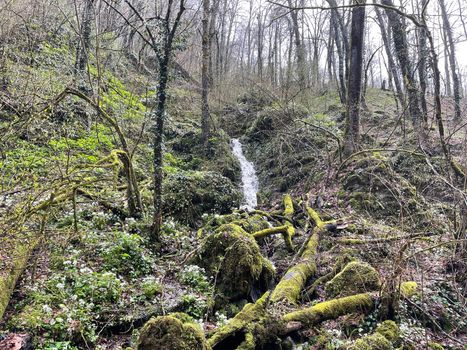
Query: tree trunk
352	131
393	71
422	65
339	39
84	44
452	60
205	80
300	50
400	43
260	46
158	143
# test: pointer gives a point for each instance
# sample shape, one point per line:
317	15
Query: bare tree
352	130
300	50
160	37
205	78
402	51
84	44
451	49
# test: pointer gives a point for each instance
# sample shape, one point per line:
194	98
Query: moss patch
232	257
172	332
356	277
383	338
408	289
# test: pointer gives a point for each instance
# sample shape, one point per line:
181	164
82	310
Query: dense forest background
233	174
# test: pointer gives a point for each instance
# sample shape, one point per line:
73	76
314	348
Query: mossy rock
389	329
356	277
385	335
233	258
372	342
189	194
172	332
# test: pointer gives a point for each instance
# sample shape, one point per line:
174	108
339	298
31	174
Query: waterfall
249	179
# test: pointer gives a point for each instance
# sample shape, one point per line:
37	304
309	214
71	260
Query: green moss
172	332
253	223
232	257
389	329
385	335
356	277
252	327
190	194
249	314
291	285
408	289
332	309
288	205
10	272
435	346
372	342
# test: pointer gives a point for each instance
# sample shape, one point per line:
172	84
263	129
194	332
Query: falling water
249	178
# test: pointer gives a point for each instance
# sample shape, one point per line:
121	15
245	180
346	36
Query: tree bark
352	131
400	43
205	79
393	69
84	44
300	50
163	57
452	60
422	65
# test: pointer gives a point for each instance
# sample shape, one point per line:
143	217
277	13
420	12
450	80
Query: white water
249	179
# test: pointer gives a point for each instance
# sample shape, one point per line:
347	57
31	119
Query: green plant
127	255
194	306
67	305
195	276
150	287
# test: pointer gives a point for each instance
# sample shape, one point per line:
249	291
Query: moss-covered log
241	327
330	309
293	282
287	232
13	268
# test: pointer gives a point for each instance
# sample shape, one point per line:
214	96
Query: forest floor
93	279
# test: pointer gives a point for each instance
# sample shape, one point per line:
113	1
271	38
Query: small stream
249	179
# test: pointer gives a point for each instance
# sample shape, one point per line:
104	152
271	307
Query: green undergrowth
102	276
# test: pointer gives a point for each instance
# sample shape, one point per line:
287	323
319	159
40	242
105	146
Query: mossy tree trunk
205	79
164	55
354	87
399	36
84	45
